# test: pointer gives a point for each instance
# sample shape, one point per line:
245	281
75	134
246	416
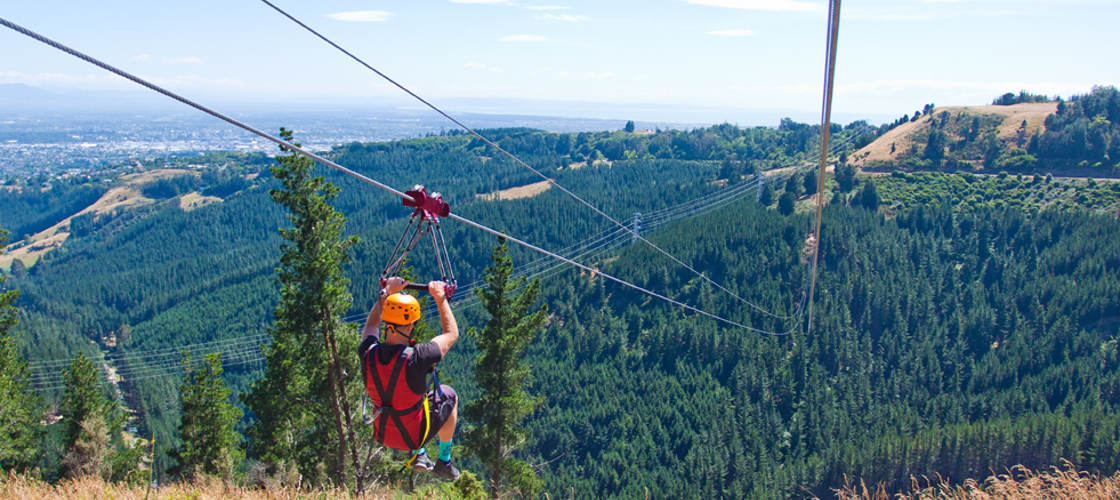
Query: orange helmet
401	309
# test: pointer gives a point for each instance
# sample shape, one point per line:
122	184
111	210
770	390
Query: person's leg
448	430
446	416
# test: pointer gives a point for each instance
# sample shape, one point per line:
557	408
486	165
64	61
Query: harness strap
424	439
386	412
435	383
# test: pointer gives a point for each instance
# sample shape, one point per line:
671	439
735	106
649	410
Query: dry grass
1034	113
193	200
1019	482
513	193
120	197
18	487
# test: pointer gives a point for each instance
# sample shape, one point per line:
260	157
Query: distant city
54	141
52	132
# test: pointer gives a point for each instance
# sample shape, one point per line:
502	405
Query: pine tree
809	182
845	177
869	197
301	405
85	413
82	398
786	204
19	406
93	424
211	445
767	196
502	376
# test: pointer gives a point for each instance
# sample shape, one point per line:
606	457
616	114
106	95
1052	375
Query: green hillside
969	325
1026	134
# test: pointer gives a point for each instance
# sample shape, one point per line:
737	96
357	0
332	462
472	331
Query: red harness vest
402	420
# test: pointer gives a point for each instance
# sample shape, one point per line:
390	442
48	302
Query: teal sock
445	451
419	452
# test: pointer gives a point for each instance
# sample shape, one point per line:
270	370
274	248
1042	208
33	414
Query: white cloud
483	67
771	5
361	16
489	2
140	58
547	7
731	33
598	76
522	38
183	60
567	18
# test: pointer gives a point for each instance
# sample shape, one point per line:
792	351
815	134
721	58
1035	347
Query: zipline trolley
427	209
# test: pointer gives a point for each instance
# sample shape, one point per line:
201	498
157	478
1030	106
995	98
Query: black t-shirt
416	371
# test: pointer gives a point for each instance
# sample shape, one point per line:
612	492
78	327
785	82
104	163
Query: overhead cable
511	156
826	113
296	149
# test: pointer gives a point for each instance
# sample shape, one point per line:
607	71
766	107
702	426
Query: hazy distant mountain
26	98
20	97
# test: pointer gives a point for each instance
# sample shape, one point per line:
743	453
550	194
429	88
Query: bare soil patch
153	175
513	193
194	199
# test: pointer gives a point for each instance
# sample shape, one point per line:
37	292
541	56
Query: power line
161	369
133	366
163	351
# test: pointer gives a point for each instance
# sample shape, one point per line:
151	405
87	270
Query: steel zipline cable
511	156
826	113
293	148
604	241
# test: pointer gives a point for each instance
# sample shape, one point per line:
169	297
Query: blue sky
721	55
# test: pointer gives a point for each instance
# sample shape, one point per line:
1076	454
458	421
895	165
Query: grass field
1019	483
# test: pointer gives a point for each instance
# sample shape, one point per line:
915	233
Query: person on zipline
396	370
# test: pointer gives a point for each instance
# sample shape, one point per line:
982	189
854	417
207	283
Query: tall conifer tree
502	376
303	414
82	398
211	445
19	406
85	413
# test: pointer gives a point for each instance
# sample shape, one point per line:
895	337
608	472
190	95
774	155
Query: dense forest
962	323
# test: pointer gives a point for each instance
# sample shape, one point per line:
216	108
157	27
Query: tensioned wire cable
510	155
42	375
296	149
173	355
156	352
596	244
171	372
603	241
826	111
612	236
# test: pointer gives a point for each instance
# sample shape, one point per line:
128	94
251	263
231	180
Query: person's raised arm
373	322
447	322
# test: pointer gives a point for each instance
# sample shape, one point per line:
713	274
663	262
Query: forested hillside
157	276
956	330
1081	136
